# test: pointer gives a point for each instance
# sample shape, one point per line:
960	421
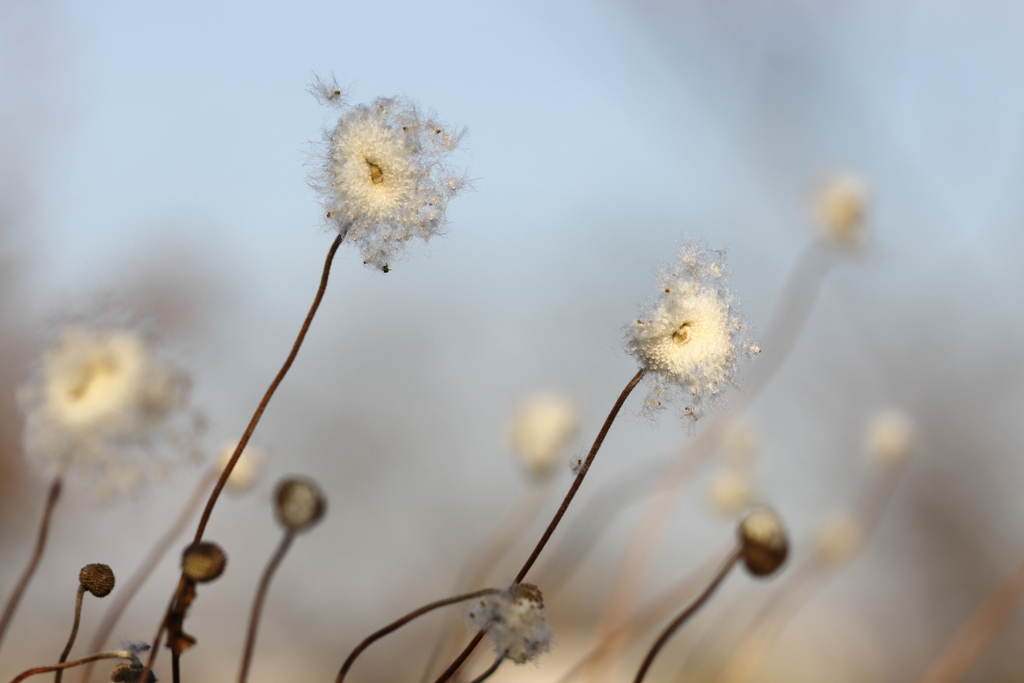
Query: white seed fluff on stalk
540	430
690	339
515	621
384	176
106	406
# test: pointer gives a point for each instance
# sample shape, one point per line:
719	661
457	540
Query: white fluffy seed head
840	210
515	619
247	470
299	503
764	541
384	176
690	339
540	430
890	438
106	405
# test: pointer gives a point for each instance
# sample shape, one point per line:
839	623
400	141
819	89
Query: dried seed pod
765	544
98	579
299	504
129	673
203	561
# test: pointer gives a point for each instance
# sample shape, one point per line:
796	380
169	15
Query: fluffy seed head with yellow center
103	397
690	339
384	175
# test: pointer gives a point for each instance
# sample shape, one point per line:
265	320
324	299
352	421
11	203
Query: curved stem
490	670
257	605
44	527
688	612
144	674
78	662
577	481
219	486
74	633
399	623
145	570
509	532
246	435
463	656
582	473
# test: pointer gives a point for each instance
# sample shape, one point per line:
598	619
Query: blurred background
158	154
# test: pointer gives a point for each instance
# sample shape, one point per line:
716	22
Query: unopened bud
299	503
203	561
764	540
98	579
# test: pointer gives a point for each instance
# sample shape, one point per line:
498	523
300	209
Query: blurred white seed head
838	538
764	541
384	176
690	339
107	405
731	491
890	438
299	503
247	470
541	429
840	210
515	619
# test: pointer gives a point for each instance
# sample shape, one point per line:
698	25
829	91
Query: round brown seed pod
129	673
764	540
299	503
98	579
203	561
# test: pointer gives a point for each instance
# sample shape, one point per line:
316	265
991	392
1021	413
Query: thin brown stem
74	633
243	442
144	675
688	612
219	486
577	481
145	570
399	623
490	670
257	605
463	656
44	527
580	475
67	665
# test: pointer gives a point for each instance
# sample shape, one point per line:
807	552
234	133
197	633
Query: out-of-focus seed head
98	579
540	430
764	541
299	503
203	561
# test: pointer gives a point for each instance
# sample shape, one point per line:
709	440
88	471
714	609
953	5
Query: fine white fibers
100	398
515	619
689	340
384	178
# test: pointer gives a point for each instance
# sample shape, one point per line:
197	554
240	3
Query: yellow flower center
682	335
376	175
